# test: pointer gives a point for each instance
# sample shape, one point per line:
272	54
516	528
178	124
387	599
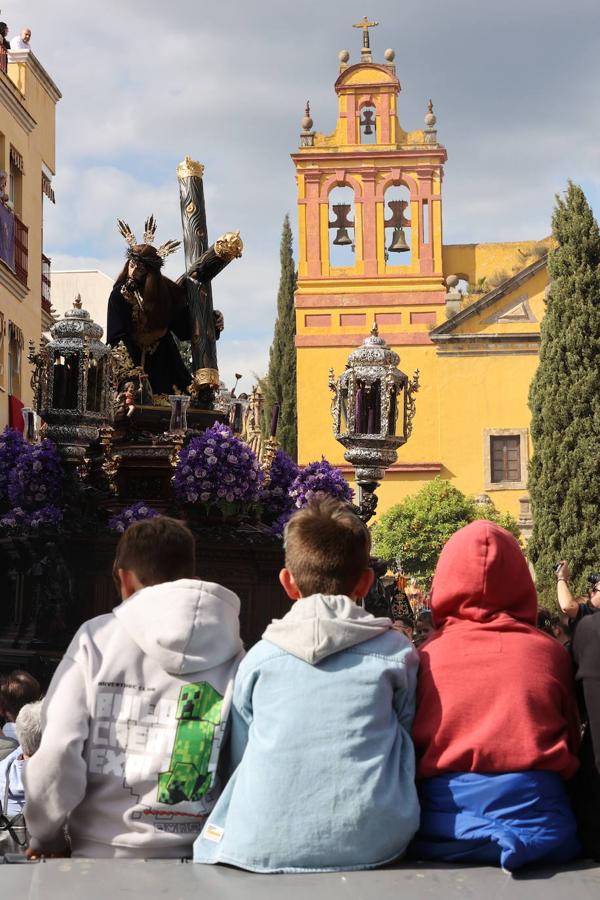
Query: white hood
321	625
185	625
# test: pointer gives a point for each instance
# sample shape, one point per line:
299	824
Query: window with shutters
506	458
505	452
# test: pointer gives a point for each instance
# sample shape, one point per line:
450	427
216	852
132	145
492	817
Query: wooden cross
365	25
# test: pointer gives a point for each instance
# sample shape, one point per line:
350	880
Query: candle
274	420
358	411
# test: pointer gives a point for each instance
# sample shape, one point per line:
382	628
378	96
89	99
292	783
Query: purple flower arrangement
136	513
19	519
217	469
319	477
275	497
31	483
12	445
37	478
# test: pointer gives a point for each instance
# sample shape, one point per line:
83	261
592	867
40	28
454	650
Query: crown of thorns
149	231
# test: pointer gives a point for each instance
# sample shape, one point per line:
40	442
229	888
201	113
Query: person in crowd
322	710
4	42
423	626
136	713
575	608
405	626
16	690
586	654
28	727
496	729
21	42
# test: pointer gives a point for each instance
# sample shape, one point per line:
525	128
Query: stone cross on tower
365	53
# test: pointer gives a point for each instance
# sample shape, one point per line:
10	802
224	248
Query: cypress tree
280	384
564	398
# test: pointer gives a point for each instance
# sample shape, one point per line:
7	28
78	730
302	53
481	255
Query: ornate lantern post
72	383
373	407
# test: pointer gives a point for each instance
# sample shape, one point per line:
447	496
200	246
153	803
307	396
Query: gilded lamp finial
375	329
189	168
77	302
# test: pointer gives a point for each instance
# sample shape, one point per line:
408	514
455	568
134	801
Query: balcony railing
21	252
46	305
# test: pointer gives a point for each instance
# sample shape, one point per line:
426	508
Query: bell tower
369	201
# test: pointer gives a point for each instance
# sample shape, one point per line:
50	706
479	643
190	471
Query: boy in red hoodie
496	729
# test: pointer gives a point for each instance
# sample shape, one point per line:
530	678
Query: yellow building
28	99
370	248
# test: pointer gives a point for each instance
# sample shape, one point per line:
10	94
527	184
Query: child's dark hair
157	550
16	690
326	547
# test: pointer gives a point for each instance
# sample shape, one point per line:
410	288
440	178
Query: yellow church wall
532	292
482	393
475	261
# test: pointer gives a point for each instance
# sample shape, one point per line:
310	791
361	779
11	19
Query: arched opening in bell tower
398	226
342	231
367	123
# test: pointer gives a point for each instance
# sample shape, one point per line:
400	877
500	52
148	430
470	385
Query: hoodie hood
320	625
185	626
481	574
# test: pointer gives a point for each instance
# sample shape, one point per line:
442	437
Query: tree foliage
415	530
564	475
280	383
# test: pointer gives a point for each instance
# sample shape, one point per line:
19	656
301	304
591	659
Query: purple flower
136	513
231	470
18	519
319	477
37	477
274	497
12	445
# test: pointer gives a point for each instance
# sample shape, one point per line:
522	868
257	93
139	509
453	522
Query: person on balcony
22	42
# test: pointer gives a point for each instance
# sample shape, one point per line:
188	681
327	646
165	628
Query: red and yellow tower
369	246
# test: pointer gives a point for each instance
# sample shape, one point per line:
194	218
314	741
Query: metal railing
46	283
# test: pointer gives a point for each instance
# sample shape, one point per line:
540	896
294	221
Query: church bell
342	238
398	244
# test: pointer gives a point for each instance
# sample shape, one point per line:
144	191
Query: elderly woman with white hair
28	728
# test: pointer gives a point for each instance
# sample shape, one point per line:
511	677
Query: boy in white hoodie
136	712
321	719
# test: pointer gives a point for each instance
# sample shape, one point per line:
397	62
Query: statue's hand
219	321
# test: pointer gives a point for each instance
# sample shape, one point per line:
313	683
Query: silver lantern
373	407
72	383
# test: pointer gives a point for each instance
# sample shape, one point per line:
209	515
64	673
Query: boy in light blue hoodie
324	766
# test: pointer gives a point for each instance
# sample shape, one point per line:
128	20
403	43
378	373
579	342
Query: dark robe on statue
156	351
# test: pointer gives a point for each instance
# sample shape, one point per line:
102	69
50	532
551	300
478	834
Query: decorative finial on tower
307	137
374	329
307	122
430	120
365	53
77	302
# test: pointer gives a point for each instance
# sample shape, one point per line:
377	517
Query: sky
514	85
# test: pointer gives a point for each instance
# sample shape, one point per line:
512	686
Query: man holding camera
575	608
